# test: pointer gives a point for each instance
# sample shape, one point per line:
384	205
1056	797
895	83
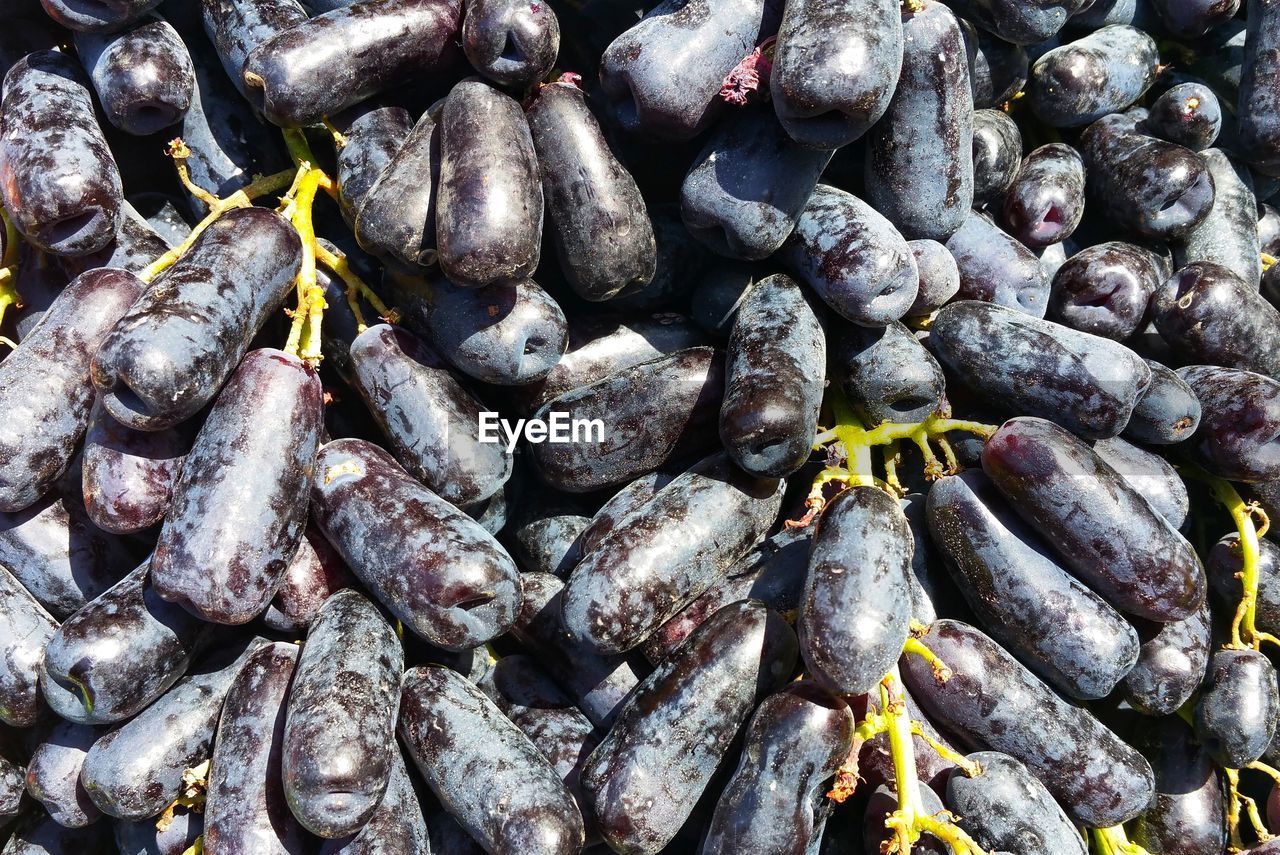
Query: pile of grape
736	427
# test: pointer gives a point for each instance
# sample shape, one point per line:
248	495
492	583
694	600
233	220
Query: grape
1019	23
1082	647
40	279
39	836
997	69
143	838
1089	384
676	727
1238	437
1225	562
1103	528
919	169
775	374
489	205
53	774
128	475
1084	80
509	41
395	215
30	628
166	214
1006	807
1105	289
93	16
853	258
602	233
1167	413
397	826
245	808
1259	131
748	186
797	739
1235	717
12	791
143	76
1187	814
488	760
1046	200
433	567
237	27
993	703
995	268
997	155
835	66
1187	114
887	374
315	573
875	760
1209	314
112	658
1191	20
939	276
1149	474
1228	235
545	538
339	733
168	356
664	554
876	835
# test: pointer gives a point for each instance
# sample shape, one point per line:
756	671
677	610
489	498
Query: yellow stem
179	152
1114	841
356	287
308	291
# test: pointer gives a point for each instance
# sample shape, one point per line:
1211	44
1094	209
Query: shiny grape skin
1259	74
629	498
236	27
143	76
997	155
1235	717
1228	235
939	277
995	268
490	202
12	790
1208	314
1052	623
775	374
544	539
512	42
652	412
1239	433
1105	290
375	131
45	392
666	553
1088	383
993	703
1167	413
245	807
143	838
240	503
775	802
919	164
1170	664
29	628
1006	807
886	374
1084	80
1046	200
1019	23
429	418
315	573
749	184
852	257
1223	565
395	216
474	758
997	69
128	475
135	771
1151	475
397	826
662	77
1187	816
437	570
53	774
676	727
856	605
167	357
43	836
1188	114
1190	20
1103	528
339	734
111	659
97	16
835	66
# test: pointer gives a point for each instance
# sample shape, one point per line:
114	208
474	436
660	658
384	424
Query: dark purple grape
237	27
166	214
512	42
374	132
1259	133
1170	665
1167	413
395	212
29	629
886	374
997	155
1187	815
1228	235
993	703
1084	80
939	277
995	268
997	69
143	76
128	474
677	725
53	774
437	570
92	16
13	788
1239	433
40	278
315	573
397	826
141	837
1006	807
1225	564
1235	717
1149	474
1045	202
167	358
1019	23
1105	289
43	836
472	756
1190	20
320	66
1187	114
545	538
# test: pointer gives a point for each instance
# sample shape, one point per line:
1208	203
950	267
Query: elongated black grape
1235	717
1019	23
1088	383
315	573
45	389
1209	314
667	552
995	268
822	100
1259	72
887	374
128	474
438	571
170	354
320	66
43	836
245	808
939	277
1167	413
997	69
1083	647
1103	528
397	826
856	605
1228	235
511	42
1105	289
141	837
1103	72
1149	474
997	154
663	76
853	258
30	628
1187	114
677	725
919	164
650	413
1225	562
1238	436
489	205
491	760
775	373
135	771
236	27
58	179
1046	200
97	15
1187	814
1005	807
373	133
53	774
40	279
395	217
545	538
166	214
774	802
681	262
143	76
112	658
993	703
